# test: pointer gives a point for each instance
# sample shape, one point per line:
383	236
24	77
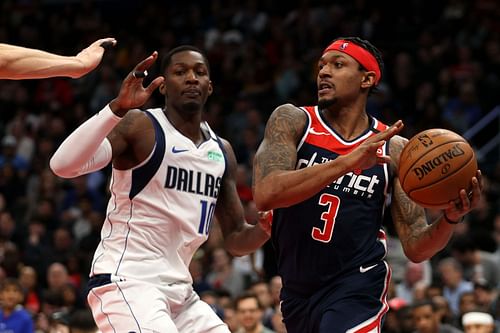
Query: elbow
264	199
416	258
262	204
236	253
416	255
59	168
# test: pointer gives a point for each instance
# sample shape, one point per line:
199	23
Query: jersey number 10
207	214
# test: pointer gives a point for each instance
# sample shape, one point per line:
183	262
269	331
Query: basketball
435	165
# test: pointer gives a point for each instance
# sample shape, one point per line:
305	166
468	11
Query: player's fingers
475	194
106	43
154	84
383	159
389	132
479	177
464	201
146	63
140	70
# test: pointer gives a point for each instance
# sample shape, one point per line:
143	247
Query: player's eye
338	64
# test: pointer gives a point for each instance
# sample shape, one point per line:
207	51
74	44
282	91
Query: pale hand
91	56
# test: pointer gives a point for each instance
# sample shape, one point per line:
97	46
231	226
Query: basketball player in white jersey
171	174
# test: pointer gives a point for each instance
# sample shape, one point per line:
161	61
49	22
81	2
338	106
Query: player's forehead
187	58
335	55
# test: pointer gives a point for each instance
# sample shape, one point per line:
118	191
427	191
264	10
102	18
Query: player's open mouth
324	87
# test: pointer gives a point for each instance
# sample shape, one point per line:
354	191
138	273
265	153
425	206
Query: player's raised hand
367	154
91	56
132	93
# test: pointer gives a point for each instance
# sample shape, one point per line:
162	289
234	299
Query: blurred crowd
442	70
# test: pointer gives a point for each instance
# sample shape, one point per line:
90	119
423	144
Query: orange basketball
435	165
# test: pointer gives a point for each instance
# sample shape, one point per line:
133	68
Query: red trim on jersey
319	135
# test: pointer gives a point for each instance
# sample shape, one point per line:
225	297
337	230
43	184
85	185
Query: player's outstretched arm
105	136
240	238
419	239
18	62
277	184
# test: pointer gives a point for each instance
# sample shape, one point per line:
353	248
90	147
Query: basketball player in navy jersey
18	62
328	171
171	174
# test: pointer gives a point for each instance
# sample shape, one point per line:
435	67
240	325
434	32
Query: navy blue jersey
339	229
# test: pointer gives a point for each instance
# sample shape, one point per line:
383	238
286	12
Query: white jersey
160	211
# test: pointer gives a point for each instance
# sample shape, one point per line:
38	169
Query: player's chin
325	102
191	106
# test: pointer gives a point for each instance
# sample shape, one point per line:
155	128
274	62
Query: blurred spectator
81	321
391	323
13	317
28	281
57	277
454	284
263	293
463	109
275	285
484	296
230	317
443	309
414	273
478	322
477	265
223	275
249	312
200	284
426	320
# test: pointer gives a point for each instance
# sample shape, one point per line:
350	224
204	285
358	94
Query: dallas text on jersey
192	181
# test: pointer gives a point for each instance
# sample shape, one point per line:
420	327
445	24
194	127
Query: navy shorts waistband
97	281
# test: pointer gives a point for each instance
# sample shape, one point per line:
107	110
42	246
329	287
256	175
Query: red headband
365	58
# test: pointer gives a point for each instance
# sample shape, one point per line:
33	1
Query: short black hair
369	47
165	62
422	303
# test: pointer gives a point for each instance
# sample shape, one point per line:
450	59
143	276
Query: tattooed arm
240	238
421	240
277	184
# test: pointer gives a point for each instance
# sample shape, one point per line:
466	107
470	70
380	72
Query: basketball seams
440	180
411	166
435	165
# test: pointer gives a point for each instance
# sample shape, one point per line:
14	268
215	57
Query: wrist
450	221
343	164
117	109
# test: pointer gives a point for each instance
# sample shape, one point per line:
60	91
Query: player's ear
162	88
368	79
210	88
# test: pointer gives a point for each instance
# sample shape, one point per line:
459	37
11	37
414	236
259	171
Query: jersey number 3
332	202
